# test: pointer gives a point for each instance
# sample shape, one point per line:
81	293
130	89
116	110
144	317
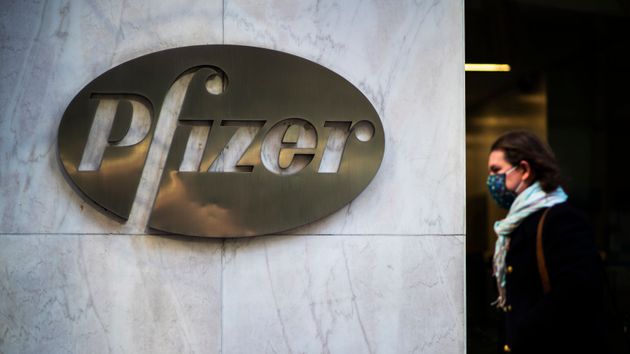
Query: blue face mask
498	190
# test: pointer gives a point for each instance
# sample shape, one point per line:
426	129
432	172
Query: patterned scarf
529	201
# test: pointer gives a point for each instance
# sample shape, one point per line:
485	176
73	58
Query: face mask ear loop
519	185
510	170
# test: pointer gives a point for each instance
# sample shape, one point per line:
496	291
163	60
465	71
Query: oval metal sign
264	141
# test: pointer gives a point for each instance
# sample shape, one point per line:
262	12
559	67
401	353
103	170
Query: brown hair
526	146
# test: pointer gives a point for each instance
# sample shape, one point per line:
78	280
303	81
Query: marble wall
385	274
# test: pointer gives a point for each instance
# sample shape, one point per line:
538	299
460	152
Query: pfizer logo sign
262	141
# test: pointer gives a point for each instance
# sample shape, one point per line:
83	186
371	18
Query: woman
552	298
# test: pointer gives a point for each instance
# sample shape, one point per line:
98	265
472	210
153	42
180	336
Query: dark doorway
570	83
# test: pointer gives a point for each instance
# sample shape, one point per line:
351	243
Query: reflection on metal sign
264	141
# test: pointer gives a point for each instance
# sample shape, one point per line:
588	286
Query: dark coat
568	319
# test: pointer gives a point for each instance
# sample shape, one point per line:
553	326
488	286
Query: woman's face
497	164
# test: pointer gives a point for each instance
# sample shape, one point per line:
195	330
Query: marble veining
396	55
77	293
50	50
374	294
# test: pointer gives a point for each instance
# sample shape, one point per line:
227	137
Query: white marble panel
345	294
64	291
407	57
49	51
109	294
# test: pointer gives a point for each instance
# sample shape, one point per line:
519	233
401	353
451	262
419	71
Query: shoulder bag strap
540	256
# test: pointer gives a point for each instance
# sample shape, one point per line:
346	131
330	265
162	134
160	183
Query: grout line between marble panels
210	238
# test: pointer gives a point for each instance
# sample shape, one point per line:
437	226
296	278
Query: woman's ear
528	173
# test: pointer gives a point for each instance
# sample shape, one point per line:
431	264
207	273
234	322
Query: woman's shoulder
562	217
566	211
568	221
